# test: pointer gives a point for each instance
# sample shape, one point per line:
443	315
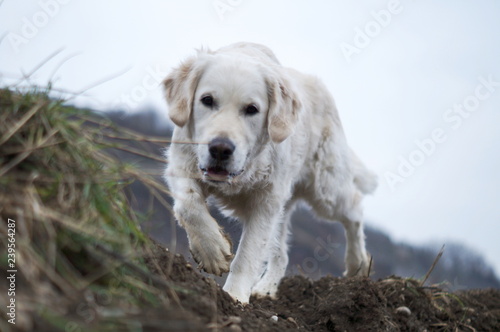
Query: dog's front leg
249	262
209	245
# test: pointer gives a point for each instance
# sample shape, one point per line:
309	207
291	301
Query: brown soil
328	304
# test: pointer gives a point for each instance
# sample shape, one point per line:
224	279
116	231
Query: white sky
394	91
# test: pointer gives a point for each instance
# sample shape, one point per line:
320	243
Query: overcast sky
417	84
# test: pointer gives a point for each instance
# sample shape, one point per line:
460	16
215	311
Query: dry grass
78	243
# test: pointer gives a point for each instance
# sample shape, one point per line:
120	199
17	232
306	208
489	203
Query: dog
256	138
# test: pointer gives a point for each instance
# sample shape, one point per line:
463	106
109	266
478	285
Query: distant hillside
317	248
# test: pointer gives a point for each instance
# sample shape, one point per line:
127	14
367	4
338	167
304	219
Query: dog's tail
364	179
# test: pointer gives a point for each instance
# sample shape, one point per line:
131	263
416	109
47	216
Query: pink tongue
218	171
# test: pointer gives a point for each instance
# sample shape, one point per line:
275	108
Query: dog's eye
251	109
208	101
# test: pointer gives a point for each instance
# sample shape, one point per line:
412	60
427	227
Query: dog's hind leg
346	208
356	258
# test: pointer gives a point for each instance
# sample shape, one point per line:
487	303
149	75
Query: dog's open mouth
218	174
217	171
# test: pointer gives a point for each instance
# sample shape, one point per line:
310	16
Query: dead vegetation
76	238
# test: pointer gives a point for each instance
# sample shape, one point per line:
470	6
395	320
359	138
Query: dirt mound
328	304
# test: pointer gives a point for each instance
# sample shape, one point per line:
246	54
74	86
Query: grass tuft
78	241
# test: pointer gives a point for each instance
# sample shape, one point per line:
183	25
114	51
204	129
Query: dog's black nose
221	149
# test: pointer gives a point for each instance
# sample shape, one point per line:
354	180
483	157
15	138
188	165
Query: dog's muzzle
221	151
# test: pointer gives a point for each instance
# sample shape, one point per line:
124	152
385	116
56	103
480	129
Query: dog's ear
180	86
284	108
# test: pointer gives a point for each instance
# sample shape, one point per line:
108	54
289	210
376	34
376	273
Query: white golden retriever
258	137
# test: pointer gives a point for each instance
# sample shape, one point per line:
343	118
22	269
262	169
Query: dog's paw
237	293
212	253
359	268
264	288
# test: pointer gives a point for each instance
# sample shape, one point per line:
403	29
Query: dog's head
232	104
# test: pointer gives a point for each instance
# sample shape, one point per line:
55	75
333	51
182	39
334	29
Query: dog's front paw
265	288
212	253
238	293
